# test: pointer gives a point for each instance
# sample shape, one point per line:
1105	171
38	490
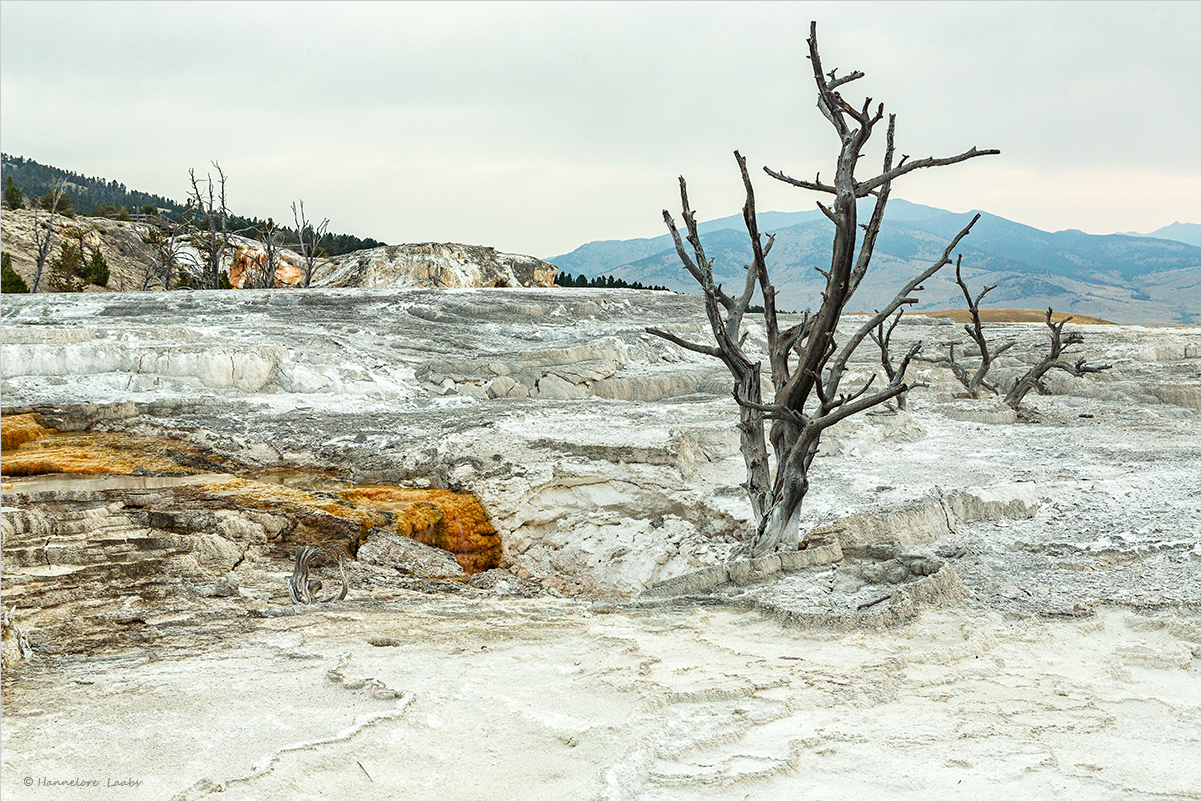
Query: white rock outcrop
434	264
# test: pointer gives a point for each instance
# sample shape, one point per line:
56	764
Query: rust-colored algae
454	522
444	519
17	430
91	454
338	520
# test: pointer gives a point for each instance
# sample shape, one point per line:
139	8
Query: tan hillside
1014	316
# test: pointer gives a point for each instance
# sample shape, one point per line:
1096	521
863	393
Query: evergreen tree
66	269
10	280
65	207
13	198
96	271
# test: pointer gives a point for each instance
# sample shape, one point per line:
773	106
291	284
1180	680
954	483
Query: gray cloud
535	127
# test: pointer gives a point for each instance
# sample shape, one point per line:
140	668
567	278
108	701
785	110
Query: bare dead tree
973	379
807	364
1033	378
882	337
166	242
309	236
210	231
44	231
260	272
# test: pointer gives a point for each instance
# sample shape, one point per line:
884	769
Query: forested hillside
98	197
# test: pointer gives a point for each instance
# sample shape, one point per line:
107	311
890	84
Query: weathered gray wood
43	234
213	240
1033	378
309	236
974	379
806	363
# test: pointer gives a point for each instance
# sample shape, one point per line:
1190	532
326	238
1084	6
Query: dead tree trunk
43	232
972	379
806	362
1033	378
309	238
214	238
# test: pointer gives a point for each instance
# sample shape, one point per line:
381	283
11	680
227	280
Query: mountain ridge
1132	279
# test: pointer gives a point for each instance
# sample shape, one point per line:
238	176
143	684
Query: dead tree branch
210	232
260	270
725	316
302	589
166	243
1033	378
882	337
973	378
310	236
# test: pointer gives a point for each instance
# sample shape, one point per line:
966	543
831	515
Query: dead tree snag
972	379
806	362
883	338
309	236
260	270
1033	378
211	234
43	232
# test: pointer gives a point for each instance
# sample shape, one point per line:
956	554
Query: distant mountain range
1189	233
1128	278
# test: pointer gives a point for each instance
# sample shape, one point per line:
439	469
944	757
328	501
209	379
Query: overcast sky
537	127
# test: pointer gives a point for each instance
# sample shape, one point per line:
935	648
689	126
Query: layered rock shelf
104	529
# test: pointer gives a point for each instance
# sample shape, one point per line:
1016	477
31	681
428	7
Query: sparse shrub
70	272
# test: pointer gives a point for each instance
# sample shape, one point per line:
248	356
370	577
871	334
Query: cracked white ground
1072	671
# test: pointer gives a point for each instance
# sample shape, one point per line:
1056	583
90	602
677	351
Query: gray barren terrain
993	606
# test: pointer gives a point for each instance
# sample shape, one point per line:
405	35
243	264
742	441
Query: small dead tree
972	379
807	364
309	236
166	242
882	337
44	231
1033	378
260	271
210	230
